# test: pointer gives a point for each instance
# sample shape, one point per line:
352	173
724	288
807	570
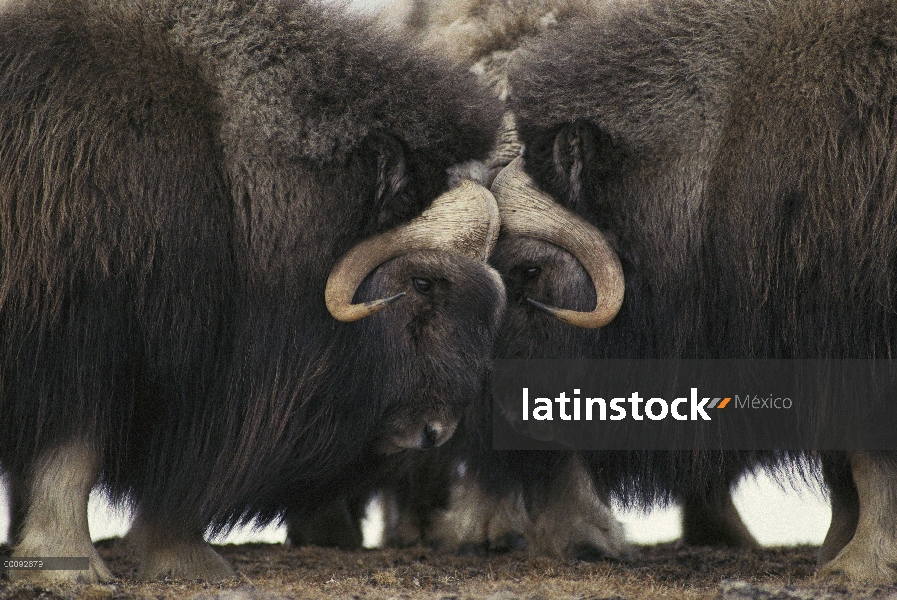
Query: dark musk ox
232	264
574	518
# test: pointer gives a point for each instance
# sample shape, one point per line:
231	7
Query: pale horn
526	211
465	220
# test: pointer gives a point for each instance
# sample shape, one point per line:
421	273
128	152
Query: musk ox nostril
430	436
440	431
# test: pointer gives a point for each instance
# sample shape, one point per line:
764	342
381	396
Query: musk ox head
613	134
441	337
528	212
485	36
436	339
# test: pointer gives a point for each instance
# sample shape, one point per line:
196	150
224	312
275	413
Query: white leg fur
165	553
574	520
401	530
571	520
56	519
475	519
871	556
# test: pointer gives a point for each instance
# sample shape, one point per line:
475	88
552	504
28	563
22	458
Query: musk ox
230	263
418	489
740	159
574	517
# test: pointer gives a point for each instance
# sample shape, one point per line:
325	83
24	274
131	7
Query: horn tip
544	307
383	302
354	312
591	320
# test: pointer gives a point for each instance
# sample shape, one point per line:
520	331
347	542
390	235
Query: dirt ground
272	572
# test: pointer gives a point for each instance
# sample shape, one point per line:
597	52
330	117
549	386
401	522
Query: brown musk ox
231	263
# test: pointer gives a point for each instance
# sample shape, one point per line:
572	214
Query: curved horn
526	211
464	220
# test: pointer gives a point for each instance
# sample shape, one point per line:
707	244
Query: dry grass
270	572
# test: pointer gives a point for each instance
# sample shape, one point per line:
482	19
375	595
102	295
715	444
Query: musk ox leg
871	555
333	526
403	527
181	554
18	506
417	499
55	521
845	506
477	522
569	518
574	519
712	520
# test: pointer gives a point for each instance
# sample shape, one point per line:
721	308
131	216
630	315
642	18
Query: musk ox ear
573	147
392	179
572	160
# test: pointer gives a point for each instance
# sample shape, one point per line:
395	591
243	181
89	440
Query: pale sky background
774	515
368	5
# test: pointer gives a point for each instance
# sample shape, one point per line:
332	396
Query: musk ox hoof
714	521
331	526
499	543
864	563
575	521
478	550
507	542
871	556
570	521
403	534
163	553
56	520
477	523
579	528
184	560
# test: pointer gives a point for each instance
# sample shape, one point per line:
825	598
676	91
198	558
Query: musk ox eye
532	272
423	286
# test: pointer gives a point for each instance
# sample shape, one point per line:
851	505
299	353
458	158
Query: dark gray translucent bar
46	563
797	405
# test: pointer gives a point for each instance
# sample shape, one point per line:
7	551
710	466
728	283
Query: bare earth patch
271	572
